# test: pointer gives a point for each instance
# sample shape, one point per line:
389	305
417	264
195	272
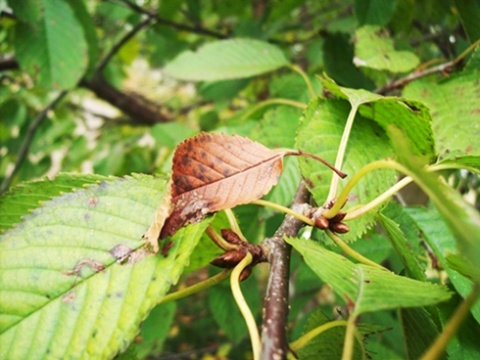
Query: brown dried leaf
212	172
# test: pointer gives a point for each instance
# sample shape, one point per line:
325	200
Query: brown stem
274	341
444	67
318	158
140	109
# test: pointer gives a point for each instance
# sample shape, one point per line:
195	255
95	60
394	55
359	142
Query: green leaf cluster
387	91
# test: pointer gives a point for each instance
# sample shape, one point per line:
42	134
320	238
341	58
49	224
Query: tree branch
447	66
414	76
139	108
274	341
23	152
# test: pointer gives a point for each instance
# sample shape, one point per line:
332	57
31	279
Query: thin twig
274	341
175	25
23	152
419	74
104	62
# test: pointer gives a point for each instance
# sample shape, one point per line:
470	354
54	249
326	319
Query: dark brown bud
231	237
339	227
228	259
339	217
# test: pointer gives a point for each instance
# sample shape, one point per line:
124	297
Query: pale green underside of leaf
374	49
412	118
46	313
227	59
29	195
320	134
402	247
440	239
53	50
455	112
369	288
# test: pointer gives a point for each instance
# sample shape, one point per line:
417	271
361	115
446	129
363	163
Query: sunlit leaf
374	49
25	197
55	52
227	59
64	293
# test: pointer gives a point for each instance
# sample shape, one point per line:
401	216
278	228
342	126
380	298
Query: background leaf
225	310
374	12
48	310
53	49
227	59
374	49
469	11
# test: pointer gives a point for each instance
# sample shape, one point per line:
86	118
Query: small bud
339	227
231	236
339	217
321	222
245	273
228	259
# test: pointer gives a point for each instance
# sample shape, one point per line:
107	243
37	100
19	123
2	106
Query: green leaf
227	59
154	330
368	288
319	133
374	12
338	58
464	266
327	345
25	197
53	49
403	247
469	11
222	90
27	11
55	299
419	331
454	115
277	129
88	27
460	216
412	118
374	49
440	239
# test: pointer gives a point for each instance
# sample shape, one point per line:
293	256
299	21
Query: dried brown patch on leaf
153	233
92	264
212	172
